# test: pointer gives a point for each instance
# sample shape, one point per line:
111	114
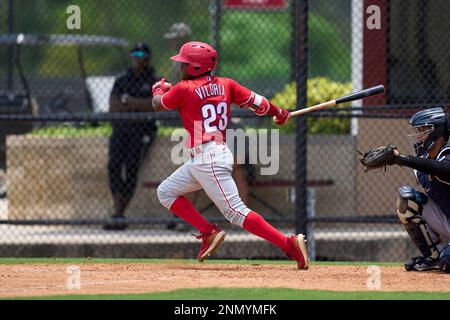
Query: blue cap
139	54
141	50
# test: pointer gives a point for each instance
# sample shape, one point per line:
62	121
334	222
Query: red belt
198	149
194	151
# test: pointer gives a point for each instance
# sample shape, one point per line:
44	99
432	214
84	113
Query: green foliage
319	90
255	48
329	51
259	54
137	20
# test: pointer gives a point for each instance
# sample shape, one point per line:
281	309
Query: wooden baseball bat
351	97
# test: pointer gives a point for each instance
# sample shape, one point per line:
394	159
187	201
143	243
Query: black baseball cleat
444	263
444	266
422	264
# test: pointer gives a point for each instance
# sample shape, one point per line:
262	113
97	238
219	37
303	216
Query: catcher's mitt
378	158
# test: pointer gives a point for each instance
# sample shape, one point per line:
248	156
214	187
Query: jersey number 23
210	113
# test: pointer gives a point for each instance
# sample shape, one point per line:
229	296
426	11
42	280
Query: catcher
425	216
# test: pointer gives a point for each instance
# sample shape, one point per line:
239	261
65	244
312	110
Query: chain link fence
81	157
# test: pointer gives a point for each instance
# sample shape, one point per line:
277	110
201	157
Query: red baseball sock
184	209
256	224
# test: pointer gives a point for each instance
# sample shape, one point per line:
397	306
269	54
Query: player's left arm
440	168
246	98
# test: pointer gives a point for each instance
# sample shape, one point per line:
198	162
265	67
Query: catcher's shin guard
409	209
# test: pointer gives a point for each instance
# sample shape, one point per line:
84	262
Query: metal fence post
301	75
216	12
10	77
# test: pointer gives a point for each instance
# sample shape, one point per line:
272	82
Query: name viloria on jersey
210	90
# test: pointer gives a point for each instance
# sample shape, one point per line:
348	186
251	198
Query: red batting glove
161	87
282	117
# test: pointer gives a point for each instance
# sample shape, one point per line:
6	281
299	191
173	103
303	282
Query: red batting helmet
200	56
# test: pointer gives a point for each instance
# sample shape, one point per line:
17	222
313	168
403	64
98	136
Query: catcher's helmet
200	56
430	125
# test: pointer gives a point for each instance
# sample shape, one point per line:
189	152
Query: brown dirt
50	279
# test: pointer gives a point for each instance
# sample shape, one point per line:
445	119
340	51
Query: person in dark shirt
426	215
130	140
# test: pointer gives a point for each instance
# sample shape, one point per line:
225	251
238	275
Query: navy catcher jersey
437	189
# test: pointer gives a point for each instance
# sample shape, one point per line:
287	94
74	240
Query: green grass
180	261
255	294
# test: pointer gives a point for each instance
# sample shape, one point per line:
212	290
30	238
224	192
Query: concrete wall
57	177
67	177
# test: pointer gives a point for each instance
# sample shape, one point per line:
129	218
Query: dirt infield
103	278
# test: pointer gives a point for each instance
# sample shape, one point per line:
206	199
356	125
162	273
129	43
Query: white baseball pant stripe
211	171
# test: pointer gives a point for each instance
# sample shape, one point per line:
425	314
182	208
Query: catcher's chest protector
437	190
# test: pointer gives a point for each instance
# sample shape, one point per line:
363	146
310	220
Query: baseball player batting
203	102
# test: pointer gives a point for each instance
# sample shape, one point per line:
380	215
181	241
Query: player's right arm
245	98
165	97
